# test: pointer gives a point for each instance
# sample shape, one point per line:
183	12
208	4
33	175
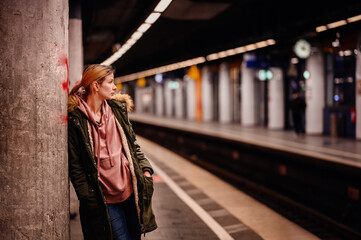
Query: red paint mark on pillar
64	119
64	61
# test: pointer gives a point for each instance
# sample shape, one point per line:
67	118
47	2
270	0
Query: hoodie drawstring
98	152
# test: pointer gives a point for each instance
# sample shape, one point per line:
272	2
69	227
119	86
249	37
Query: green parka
84	173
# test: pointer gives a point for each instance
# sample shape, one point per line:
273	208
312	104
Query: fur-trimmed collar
73	102
125	98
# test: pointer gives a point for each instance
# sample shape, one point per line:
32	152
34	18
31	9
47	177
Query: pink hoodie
113	166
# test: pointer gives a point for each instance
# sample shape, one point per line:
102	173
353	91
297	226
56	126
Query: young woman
111	176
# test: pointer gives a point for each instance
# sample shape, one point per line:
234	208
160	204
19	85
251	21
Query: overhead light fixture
336	43
131	41
354	19
271	42
294	60
162	69
336	24
239	50
136	35
118	54
195	61
144	27
321	28
250	47
261	44
242	49
212	56
126	46
347	52
222	54
152	18
231	52
162	5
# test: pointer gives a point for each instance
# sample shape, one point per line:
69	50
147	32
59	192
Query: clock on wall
302	49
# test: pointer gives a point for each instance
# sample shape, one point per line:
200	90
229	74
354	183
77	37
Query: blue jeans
124	220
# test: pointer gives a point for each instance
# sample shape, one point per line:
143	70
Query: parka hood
125	98
73	102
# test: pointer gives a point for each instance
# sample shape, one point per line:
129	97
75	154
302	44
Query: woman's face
107	87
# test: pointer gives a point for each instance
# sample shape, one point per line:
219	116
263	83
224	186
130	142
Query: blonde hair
92	73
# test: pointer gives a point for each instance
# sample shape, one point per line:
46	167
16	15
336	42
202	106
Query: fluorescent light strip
354	19
162	5
271	42
321	28
338	23
152	18
195	61
251	47
162	69
144	27
261	44
136	35
238	50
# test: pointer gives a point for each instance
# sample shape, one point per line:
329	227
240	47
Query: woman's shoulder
124	100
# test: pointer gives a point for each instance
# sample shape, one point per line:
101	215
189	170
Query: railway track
309	192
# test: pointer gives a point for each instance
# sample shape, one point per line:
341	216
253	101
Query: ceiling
193	28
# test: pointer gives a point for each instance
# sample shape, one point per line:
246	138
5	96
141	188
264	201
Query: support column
225	113
315	92
159	99
248	108
75	42
34	81
178	98
276	103
138	99
207	95
168	96
358	90
191	98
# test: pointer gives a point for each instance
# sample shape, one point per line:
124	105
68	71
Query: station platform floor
191	203
334	149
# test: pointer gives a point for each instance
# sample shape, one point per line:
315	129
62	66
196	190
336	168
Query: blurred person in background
111	176
298	107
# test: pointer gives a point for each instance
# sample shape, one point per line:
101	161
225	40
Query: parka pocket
90	205
148	216
148	187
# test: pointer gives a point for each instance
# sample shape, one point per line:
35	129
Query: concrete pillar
34	182
159	99
191	98
168	97
207	94
248	103
315	92
75	42
178	98
225	108
358	90
276	103
138	99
